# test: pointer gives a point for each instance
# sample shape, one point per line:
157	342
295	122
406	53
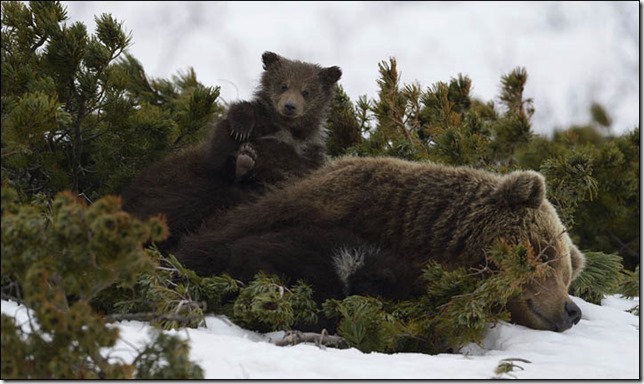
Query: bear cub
281	129
259	145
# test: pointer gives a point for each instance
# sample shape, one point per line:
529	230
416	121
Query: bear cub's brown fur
271	140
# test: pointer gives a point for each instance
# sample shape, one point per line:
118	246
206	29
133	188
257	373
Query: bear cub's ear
270	58
521	189
330	75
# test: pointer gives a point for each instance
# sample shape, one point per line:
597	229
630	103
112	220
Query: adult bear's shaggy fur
413	212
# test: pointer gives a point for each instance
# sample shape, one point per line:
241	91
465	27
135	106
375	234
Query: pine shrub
55	260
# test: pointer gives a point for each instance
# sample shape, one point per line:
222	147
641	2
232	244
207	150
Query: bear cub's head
296	89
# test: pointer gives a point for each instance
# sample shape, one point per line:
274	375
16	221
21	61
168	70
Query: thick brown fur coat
411	212
264	143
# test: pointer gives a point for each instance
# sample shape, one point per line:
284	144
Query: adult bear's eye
305	93
284	87
545	252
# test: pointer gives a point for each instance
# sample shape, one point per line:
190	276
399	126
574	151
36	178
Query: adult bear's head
524	214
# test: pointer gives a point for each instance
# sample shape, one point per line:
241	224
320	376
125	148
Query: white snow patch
604	345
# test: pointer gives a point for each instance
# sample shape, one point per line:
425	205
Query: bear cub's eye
284	87
305	93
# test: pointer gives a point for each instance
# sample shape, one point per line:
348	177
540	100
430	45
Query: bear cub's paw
241	118
245	161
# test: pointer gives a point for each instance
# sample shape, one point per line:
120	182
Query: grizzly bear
405	214
261	144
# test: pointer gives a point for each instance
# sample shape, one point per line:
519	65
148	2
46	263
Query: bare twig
8	297
625	248
322	339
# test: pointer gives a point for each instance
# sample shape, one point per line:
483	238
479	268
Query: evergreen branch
8	297
399	122
322	339
101	363
623	247
149	316
10	153
20	301
39	43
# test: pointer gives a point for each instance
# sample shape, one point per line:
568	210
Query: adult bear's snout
572	315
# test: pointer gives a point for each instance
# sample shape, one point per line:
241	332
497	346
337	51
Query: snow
575	52
604	345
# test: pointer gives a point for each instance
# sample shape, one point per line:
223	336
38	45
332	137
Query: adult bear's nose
573	312
571	316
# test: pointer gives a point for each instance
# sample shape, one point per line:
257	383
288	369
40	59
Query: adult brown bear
410	212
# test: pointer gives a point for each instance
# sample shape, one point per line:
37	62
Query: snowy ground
604	345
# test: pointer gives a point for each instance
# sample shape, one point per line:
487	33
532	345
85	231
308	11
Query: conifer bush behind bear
604	274
78	113
592	175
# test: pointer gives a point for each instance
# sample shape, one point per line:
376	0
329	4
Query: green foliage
76	117
464	303
570	181
35	355
395	113
443	123
266	304
469	132
630	286
600	115
593	178
166	359
56	258
342	125
364	323
602	276
617	202
88	248
170	296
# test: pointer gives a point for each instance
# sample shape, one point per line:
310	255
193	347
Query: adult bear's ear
330	75
521	189
270	58
578	261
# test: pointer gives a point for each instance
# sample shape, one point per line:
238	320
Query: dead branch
322	339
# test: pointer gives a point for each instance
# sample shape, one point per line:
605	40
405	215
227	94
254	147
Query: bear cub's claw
241	119
245	160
